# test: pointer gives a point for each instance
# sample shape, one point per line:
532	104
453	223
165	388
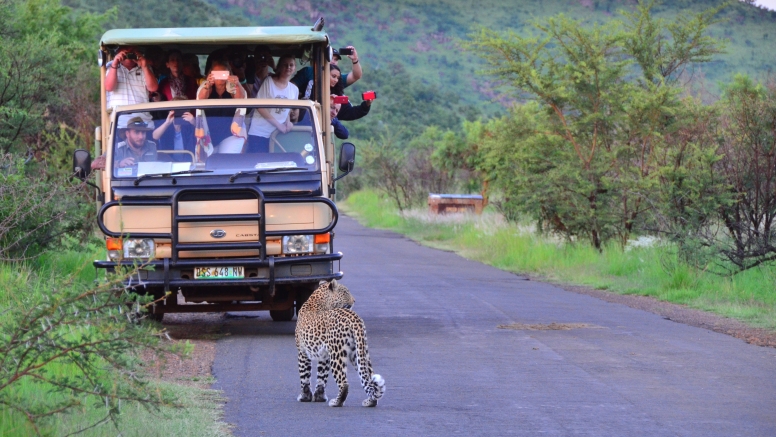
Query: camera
369	95
132	56
236	60
345	51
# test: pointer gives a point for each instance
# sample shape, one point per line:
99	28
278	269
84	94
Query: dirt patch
547	327
201	330
682	314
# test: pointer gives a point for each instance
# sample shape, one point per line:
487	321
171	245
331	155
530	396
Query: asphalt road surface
433	322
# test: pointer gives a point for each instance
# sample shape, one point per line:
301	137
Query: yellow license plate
237	272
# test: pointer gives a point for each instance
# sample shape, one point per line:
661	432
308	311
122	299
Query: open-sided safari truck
229	229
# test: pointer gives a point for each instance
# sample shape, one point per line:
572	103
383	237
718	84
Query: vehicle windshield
214	140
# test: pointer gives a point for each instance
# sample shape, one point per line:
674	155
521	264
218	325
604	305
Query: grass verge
644	270
199	410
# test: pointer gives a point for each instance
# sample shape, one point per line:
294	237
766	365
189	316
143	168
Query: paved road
432	320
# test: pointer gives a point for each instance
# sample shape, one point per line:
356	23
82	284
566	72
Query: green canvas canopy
206	36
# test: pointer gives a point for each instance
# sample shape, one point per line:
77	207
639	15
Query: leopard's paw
320	394
369	402
306	395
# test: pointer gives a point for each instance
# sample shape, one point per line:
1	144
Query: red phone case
369	95
341	99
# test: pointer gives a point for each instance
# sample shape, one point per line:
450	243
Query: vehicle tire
156	293
157	317
282	315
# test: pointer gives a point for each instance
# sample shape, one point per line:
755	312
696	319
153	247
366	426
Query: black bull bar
264	260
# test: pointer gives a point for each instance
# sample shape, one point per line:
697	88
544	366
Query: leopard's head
337	295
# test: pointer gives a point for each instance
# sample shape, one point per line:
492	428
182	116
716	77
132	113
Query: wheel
157	317
282	315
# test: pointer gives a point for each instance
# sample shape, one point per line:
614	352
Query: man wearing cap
128	81
135	148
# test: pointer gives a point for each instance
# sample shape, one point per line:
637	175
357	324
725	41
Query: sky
770	4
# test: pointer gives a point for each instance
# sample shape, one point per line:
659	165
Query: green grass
24	284
199	415
651	271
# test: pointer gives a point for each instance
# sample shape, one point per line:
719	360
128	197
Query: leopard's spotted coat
328	331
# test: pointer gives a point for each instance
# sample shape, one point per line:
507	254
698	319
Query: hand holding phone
345	51
369	95
220	75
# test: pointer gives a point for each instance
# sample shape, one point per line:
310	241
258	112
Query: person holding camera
129	78
304	78
180	137
348	79
220	83
262	61
347	112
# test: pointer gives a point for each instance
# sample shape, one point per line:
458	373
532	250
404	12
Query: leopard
329	331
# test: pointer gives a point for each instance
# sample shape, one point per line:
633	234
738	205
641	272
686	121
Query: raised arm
111	78
356	73
148	74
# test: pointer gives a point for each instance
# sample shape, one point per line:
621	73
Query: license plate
219	272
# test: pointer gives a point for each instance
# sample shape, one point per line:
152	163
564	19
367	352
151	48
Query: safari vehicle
227	229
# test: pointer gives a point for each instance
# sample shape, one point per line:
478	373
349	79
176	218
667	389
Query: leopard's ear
333	284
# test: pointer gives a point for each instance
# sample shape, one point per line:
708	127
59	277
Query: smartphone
345	51
369	95
341	99
220	75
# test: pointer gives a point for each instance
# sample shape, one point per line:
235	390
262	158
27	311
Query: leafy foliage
406	174
580	158
45	45
81	344
33	212
171	13
748	146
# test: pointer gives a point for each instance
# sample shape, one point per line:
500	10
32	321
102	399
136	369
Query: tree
581	155
45	48
748	146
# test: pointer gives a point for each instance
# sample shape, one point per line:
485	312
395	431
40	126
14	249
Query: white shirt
130	87
261	127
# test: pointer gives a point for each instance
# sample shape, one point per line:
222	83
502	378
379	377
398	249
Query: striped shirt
130	87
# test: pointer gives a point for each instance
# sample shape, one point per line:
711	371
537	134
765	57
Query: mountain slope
424	35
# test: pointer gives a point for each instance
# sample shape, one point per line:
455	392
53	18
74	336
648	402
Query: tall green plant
748	146
45	48
80	344
580	158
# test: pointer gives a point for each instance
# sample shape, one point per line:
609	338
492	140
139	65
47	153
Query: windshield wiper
268	170
167	175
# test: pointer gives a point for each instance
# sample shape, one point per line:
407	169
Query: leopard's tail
373	384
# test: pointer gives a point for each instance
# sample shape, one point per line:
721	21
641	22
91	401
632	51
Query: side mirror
82	164
347	159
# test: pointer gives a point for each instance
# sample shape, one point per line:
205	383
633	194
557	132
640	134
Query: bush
35	212
76	342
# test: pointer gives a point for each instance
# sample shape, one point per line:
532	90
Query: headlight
297	244
139	248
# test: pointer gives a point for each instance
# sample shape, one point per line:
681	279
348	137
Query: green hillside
424	35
